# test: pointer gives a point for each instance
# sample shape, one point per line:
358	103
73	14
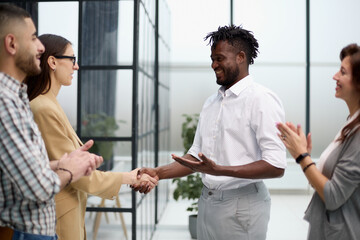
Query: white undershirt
334	144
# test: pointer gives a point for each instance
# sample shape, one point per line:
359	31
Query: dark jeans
28	236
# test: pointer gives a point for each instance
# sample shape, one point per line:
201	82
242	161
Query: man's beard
230	76
28	65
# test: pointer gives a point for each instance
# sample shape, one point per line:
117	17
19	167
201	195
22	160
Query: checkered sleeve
22	153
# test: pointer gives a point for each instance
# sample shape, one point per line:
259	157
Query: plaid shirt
27	184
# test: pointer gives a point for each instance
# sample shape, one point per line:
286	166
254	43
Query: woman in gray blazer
334	211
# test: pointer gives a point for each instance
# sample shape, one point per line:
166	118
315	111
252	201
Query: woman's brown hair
40	84
353	51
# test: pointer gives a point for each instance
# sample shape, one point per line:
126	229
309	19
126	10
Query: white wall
192	79
62	19
279	26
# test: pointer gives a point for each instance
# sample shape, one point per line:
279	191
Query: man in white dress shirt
235	145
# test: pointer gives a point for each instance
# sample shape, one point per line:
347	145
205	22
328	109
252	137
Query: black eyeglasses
73	58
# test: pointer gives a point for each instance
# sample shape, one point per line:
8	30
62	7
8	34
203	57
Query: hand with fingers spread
205	166
294	139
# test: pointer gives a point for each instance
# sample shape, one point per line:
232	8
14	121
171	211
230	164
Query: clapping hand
294	139
80	162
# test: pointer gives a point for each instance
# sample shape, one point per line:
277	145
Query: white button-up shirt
237	126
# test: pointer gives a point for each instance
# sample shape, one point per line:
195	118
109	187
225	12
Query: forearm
174	170
65	177
256	170
128	178
315	177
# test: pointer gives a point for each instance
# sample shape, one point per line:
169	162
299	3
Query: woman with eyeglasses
58	64
334	211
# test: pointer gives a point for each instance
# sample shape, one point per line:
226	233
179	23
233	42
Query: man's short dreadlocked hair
241	39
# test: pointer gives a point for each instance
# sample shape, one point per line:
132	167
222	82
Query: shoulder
260	91
356	136
353	140
6	99
44	111
213	98
348	155
260	95
10	104
352	144
41	104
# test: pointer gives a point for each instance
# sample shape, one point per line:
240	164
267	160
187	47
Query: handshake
71	167
139	181
82	163
146	179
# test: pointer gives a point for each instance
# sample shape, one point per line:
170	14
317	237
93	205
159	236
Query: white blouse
334	144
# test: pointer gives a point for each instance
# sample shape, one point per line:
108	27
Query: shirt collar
237	88
13	85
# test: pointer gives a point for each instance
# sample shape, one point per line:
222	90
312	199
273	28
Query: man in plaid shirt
28	182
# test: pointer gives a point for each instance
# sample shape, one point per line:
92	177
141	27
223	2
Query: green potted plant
101	125
190	186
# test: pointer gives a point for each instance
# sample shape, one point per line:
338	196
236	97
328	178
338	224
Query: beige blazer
60	138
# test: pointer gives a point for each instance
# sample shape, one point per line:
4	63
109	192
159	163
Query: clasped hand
80	162
144	180
294	139
142	187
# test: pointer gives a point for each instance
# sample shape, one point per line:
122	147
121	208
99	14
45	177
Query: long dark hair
352	50
41	84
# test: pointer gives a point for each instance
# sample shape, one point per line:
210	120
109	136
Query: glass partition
114	99
331	30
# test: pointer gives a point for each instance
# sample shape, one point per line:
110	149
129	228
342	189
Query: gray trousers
242	213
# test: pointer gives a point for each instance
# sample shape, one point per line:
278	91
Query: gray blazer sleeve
346	175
